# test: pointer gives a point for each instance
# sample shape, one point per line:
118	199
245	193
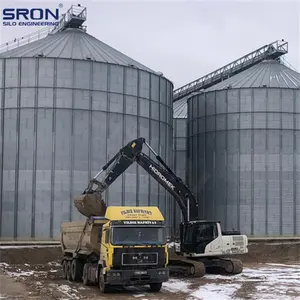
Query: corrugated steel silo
69	103
244	137
179	147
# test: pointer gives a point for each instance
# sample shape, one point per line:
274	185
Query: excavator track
232	266
180	266
186	268
226	266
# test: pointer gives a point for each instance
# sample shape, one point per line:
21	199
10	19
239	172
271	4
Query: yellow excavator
203	248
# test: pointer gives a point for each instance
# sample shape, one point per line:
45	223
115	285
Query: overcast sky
183	39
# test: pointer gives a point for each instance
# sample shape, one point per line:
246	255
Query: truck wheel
155	287
64	269
76	270
85	279
102	286
69	271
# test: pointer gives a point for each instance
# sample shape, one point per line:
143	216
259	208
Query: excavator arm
131	153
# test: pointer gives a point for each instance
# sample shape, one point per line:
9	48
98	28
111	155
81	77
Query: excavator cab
196	235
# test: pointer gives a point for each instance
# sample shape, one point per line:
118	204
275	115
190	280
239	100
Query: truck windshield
138	236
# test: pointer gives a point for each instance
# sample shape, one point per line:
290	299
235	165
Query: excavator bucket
90	204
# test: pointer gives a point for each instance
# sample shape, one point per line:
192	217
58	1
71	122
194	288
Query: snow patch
54	264
20	274
215	292
277	281
280	276
270	282
284	265
175	285
3	264
68	291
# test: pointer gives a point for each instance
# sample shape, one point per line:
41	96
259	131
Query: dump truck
123	246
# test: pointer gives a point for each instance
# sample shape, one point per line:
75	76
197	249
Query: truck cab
133	248
125	247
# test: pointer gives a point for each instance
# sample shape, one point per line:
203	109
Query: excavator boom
131	153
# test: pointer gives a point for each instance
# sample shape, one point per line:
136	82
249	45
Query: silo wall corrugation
179	146
61	121
243	158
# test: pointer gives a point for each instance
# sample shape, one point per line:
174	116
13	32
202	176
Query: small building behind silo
69	102
244	137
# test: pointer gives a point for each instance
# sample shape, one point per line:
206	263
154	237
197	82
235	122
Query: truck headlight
161	272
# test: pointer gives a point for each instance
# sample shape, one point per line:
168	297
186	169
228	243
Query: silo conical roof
267	74
74	43
180	108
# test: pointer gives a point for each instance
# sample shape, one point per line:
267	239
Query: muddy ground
270	272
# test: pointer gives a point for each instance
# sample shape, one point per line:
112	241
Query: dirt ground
270	272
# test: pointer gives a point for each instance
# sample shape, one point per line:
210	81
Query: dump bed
81	236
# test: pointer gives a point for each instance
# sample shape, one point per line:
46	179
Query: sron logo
30	16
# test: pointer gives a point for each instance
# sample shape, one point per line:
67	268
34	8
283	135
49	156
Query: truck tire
76	270
102	285
64	269
69	277
155	287
85	279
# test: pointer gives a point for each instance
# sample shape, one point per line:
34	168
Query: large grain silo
244	134
179	147
69	103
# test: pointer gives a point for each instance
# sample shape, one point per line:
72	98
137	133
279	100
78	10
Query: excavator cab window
203	234
186	236
196	236
206	231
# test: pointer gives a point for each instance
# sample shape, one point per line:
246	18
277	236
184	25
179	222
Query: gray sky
183	39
